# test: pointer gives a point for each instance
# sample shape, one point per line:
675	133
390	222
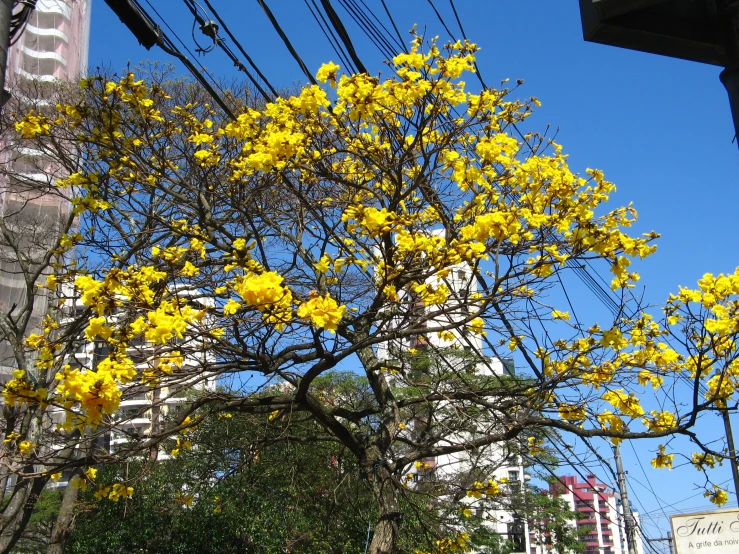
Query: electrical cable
177	37
343	35
19	19
464	36
389	36
328	33
287	42
582	463
649	485
392	21
366	24
584	478
169	47
441	20
241	49
196	8
217	41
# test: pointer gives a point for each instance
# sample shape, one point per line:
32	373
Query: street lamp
705	31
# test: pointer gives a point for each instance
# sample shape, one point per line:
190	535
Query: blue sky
660	128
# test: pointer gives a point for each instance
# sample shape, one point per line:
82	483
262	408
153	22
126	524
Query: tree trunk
65	518
385	534
18	511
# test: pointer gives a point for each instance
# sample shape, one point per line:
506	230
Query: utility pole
6	12
732	450
667	539
628	517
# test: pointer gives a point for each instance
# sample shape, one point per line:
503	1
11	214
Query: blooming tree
320	229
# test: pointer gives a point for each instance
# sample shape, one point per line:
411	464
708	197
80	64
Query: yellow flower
660	421
327	72
189	270
572	413
323	312
476	326
492	488
564	316
185	499
324	264
663	460
534	446
119	491
32	125
97	327
701	460
25	447
627	404
231	307
717	496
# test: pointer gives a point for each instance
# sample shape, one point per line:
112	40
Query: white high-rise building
143	404
52	48
459	347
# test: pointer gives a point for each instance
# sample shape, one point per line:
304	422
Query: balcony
43	55
51	32
130	402
48	78
50	9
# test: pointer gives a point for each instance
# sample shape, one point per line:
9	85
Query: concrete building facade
53	47
464	349
601	517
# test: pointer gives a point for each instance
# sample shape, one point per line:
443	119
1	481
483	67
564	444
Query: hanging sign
714	532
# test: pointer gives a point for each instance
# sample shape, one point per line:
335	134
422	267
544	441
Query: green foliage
550	520
36	535
243	486
223	497
264	483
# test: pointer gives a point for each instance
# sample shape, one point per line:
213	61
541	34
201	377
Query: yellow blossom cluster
114	492
717	496
491	488
323	312
371	195
662	459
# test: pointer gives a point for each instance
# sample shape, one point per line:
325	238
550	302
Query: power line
241	48
328	33
286	41
584	478
148	33
649	485
187	49
369	28
392	21
464	36
388	34
210	29
343	35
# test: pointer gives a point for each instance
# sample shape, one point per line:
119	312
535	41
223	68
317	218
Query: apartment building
461	349
52	48
144	404
600	521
